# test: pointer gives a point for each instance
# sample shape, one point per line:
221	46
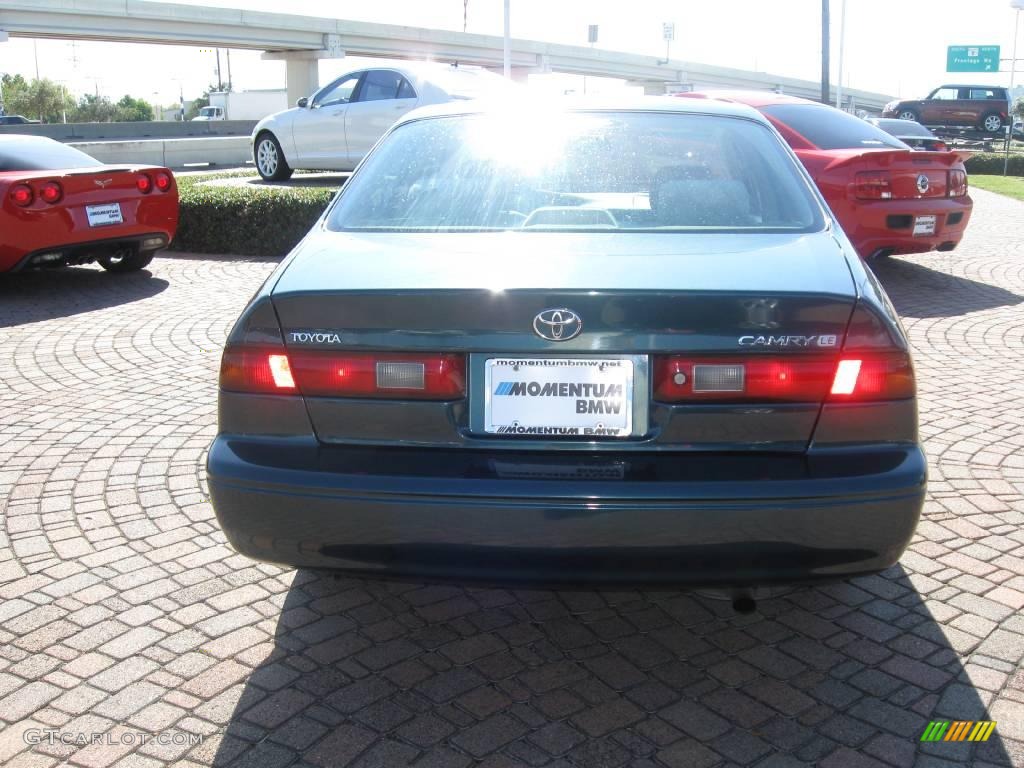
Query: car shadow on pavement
371	673
29	297
921	292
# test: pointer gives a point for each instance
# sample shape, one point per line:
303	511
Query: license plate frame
104	215
553	415
924	226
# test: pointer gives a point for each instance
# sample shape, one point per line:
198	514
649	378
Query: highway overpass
302	40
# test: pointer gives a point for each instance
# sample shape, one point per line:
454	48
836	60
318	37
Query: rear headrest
701	203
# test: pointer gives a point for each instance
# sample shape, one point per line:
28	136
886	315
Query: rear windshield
904	128
595	171
828	128
31	153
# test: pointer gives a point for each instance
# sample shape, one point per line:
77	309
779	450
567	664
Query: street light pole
825	90
507	50
1017	5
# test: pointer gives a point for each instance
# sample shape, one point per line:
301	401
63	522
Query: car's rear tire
126	261
992	123
907	114
269	159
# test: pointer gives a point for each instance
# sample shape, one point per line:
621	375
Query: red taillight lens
679	378
402	376
144	184
880	376
317	373
162	181
22	195
873	185
939	146
957	183
256	369
51	192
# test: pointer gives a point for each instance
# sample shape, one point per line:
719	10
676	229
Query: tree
131	110
1018	107
39	99
94	109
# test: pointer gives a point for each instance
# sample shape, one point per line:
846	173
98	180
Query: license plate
104	215
559	397
924	225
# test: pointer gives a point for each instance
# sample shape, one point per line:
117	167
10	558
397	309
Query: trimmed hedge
245	221
991	163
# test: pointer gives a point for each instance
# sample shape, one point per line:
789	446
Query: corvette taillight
22	195
322	373
957	183
872	185
162	181
51	192
144	184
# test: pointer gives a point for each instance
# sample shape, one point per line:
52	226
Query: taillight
144	184
938	146
881	376
263	370
318	373
873	185
22	195
957	183
51	192
387	375
681	378
162	181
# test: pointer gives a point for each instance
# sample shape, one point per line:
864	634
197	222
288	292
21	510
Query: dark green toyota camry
610	343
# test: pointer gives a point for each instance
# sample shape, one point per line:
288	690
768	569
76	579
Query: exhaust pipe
744	603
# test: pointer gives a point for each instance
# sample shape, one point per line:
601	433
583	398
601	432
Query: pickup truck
984	107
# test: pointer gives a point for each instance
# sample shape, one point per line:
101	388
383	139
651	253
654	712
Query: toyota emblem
557	324
922	184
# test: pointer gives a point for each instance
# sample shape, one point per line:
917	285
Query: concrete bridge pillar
303	75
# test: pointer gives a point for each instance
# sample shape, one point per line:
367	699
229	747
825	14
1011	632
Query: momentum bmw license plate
924	225
559	397
104	215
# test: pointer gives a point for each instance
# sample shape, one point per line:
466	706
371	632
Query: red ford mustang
58	207
889	198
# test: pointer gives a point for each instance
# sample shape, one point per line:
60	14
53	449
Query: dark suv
984	107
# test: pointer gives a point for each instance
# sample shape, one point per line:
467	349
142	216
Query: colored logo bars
958	730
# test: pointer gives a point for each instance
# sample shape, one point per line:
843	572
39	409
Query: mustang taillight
22	195
873	185
51	192
957	183
320	373
162	181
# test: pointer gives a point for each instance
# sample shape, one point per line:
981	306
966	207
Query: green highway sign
972	58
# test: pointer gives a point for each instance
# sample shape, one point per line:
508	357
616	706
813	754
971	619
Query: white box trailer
249	105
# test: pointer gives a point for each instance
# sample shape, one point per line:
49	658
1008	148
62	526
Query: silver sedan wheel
266	157
993	123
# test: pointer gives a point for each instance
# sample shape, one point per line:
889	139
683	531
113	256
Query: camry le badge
557	324
102	182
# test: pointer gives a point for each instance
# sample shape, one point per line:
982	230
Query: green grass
1011	186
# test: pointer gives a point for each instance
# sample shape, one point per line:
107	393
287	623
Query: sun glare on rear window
579	171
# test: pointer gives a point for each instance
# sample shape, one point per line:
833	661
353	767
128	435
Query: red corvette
889	198
59	207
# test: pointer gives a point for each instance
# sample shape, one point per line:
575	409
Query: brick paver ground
122	610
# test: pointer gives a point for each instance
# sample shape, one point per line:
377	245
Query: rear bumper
564	519
888	225
80	252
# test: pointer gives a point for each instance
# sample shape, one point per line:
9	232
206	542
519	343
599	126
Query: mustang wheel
992	123
270	160
126	260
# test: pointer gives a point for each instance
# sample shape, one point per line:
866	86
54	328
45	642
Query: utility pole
227	52
220	83
825	89
842	45
1017	6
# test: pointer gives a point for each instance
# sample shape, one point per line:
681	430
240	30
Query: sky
891	46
